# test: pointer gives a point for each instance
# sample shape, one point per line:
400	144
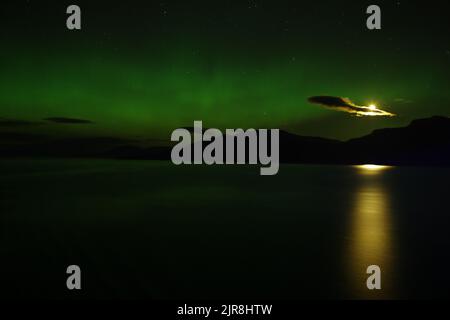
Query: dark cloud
402	100
65	120
333	102
346	105
17	123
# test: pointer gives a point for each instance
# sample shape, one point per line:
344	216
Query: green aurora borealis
141	70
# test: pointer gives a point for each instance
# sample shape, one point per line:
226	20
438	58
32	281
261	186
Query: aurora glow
143	70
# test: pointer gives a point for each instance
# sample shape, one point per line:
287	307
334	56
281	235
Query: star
252	5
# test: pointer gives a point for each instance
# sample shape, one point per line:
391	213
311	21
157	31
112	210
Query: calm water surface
144	229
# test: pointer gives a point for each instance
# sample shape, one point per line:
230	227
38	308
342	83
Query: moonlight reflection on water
371	236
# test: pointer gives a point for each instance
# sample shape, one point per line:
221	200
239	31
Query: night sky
142	69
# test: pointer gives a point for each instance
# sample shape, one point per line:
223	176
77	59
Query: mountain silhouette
422	142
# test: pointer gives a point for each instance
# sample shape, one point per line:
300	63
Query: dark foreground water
144	229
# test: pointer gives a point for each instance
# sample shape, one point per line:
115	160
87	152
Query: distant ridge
422	142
